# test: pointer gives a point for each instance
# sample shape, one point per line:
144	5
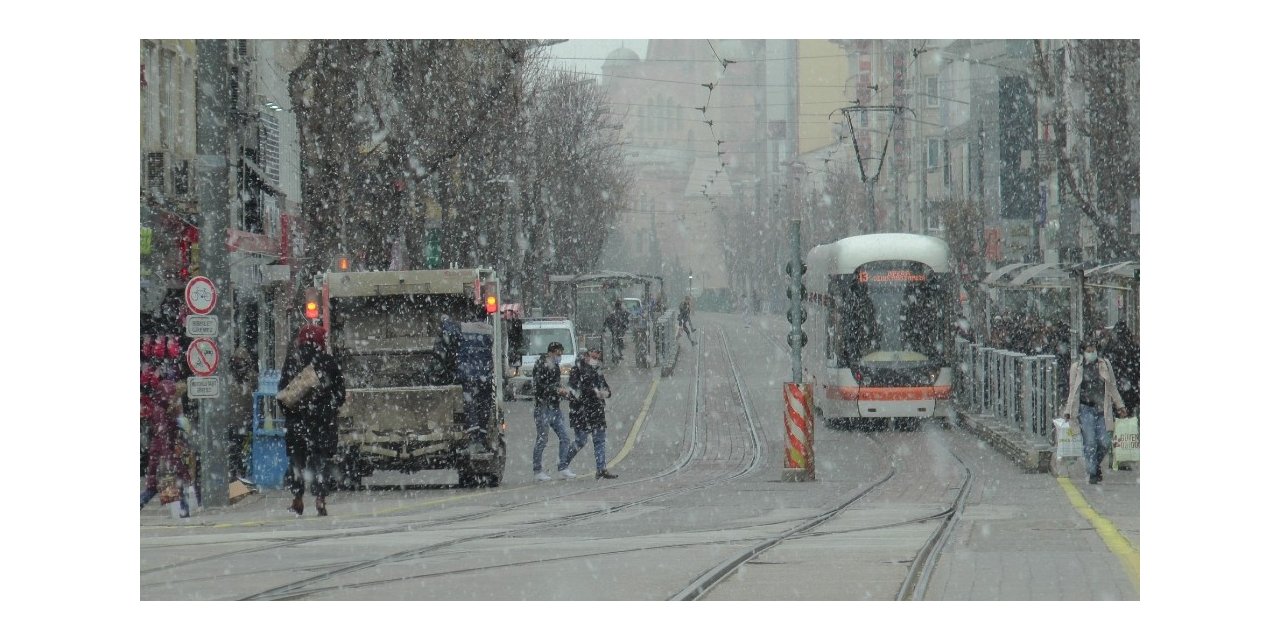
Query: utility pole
214	112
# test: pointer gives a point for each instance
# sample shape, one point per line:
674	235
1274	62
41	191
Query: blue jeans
1097	440
544	418
597	439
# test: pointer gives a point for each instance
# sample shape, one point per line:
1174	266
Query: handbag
299	387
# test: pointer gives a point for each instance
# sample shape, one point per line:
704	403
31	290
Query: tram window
891	311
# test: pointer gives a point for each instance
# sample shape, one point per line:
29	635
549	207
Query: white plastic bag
1124	442
1070	443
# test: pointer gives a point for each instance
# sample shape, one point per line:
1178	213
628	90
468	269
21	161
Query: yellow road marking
1118	544
635	428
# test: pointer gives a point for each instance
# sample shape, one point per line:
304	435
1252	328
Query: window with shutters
155	171
269	146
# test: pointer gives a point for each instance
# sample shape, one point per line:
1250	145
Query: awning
1127	270
1025	275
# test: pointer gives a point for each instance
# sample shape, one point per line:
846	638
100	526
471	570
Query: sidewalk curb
1028	455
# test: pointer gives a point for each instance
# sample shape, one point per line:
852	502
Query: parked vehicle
537	335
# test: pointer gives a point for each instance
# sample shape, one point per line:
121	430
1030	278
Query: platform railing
1016	390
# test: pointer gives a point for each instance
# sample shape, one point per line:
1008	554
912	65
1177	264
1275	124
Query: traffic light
804	268
311	308
804	315
794	293
791	337
344	263
490	298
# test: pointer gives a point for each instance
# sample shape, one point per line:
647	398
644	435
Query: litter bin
270	460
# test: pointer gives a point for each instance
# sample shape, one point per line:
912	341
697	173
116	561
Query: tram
886	302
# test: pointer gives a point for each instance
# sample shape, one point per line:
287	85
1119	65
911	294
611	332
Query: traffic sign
202	326
201	295
204	387
202	356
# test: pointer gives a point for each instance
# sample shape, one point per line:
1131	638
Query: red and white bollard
798	417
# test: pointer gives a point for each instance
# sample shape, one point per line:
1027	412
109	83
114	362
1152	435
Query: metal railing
1017	390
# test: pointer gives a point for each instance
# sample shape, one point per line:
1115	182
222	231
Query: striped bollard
798	419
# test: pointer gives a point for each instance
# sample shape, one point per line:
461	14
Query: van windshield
536	340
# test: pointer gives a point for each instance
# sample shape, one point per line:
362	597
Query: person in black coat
589	391
311	425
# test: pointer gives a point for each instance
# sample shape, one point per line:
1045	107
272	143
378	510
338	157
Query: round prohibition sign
201	295
202	356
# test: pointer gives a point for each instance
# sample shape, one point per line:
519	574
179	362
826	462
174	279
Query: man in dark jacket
546	411
311	425
589	391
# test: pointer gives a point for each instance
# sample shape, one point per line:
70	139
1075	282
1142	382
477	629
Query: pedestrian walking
1092	397
1123	351
589	391
244	382
547	392
310	410
685	315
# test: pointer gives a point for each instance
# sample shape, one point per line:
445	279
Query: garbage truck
422	353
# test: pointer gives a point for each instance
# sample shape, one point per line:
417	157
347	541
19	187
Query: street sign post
202	356
202	326
204	387
201	295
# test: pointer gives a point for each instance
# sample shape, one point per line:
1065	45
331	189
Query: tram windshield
893	314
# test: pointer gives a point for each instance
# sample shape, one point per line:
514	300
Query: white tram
886	302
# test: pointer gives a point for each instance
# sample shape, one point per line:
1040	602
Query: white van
538	334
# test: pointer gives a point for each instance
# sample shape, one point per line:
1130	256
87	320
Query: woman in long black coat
311	435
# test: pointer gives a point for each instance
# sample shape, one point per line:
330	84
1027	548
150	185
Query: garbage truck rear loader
421	352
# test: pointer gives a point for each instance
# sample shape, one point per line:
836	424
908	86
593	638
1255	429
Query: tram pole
797	396
797	304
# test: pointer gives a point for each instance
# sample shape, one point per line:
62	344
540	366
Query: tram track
697	451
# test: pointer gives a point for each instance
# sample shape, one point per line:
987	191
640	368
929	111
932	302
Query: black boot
296	507
604	473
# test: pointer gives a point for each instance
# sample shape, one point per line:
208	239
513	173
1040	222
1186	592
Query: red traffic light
491	304
311	308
